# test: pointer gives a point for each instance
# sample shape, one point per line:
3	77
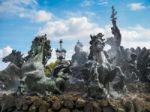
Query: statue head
78	46
133	56
97	42
40	44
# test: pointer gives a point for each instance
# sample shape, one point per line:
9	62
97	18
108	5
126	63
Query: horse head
14	57
40	50
10	57
97	42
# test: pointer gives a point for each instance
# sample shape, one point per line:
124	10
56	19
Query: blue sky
70	20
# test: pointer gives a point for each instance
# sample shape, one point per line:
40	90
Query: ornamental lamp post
61	52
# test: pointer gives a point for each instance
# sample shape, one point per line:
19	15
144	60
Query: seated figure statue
131	70
79	58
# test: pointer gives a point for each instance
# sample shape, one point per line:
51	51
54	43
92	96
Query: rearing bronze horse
108	78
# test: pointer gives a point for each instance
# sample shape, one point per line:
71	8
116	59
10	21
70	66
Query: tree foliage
50	68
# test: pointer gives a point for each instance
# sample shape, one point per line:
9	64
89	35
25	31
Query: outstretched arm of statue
117	35
115	29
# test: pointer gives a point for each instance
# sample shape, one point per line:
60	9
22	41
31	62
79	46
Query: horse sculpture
99	73
33	69
11	75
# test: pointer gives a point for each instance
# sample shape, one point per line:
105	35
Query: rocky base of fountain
73	102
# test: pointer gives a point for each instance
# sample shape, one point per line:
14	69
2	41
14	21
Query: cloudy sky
70	20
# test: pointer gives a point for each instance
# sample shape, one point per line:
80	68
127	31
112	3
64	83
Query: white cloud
25	9
37	16
4	52
88	3
43	16
102	2
136	6
17	6
136	36
72	29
